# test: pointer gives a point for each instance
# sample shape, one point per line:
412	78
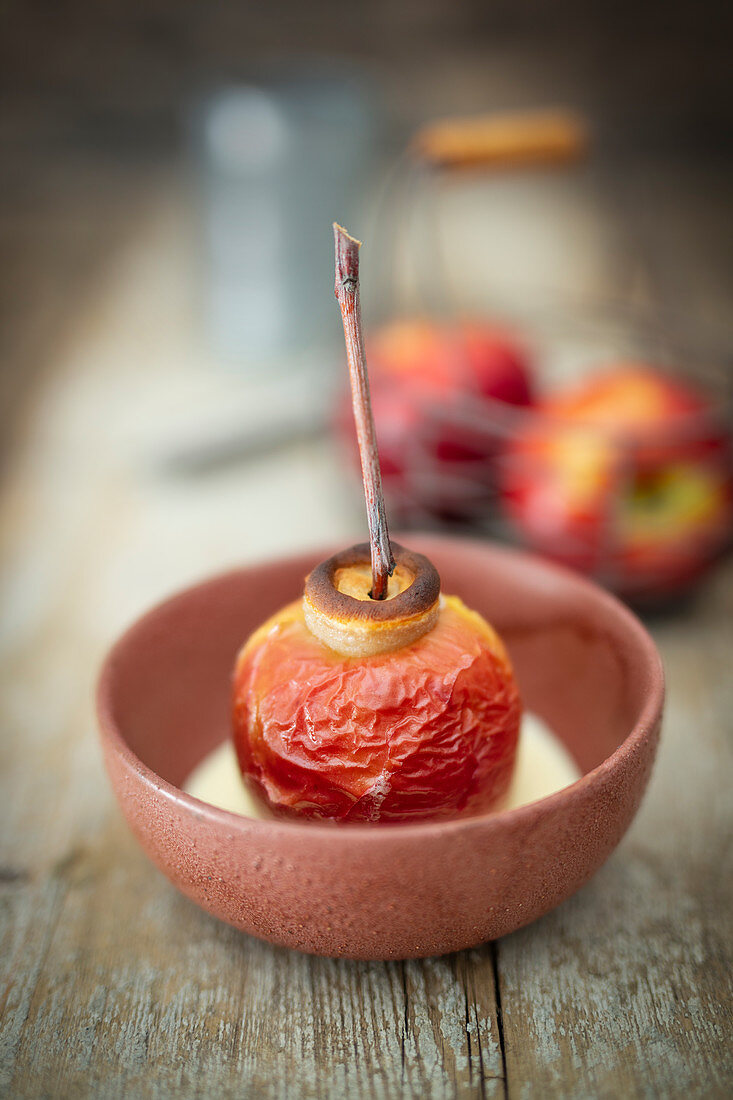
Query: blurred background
171	351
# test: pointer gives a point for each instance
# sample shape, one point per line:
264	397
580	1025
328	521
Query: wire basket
634	488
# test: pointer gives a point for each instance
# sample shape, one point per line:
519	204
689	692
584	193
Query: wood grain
140	993
114	986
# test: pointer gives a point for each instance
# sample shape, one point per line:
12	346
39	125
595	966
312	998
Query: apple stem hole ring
340	613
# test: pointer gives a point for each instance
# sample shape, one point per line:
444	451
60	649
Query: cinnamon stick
347	295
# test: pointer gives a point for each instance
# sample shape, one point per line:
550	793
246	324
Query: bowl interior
584	664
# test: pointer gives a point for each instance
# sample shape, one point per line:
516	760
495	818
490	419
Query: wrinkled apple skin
426	731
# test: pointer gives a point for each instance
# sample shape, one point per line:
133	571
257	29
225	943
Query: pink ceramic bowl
585	665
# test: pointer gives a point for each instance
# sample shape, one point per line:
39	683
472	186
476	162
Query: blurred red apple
434	388
626	476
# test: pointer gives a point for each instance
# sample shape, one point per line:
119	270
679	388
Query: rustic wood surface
112	985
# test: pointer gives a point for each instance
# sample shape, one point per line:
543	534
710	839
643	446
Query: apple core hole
356	581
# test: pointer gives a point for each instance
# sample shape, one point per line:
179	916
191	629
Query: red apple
626	476
434	391
429	730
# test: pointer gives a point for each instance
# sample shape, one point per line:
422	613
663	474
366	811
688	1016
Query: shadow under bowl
585	665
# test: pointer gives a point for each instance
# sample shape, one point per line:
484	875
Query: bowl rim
647	720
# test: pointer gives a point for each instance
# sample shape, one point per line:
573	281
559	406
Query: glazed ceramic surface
585	665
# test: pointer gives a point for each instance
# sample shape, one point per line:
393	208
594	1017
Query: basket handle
502	140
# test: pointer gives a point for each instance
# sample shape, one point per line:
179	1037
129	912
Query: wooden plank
623	991
28	916
142	994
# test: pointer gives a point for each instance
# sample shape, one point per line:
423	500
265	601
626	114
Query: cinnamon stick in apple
347	295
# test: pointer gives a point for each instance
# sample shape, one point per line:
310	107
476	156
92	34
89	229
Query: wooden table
115	986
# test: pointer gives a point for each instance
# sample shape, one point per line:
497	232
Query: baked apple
627	476
345	714
374	697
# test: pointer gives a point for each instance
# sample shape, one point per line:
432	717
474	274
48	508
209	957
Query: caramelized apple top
340	611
